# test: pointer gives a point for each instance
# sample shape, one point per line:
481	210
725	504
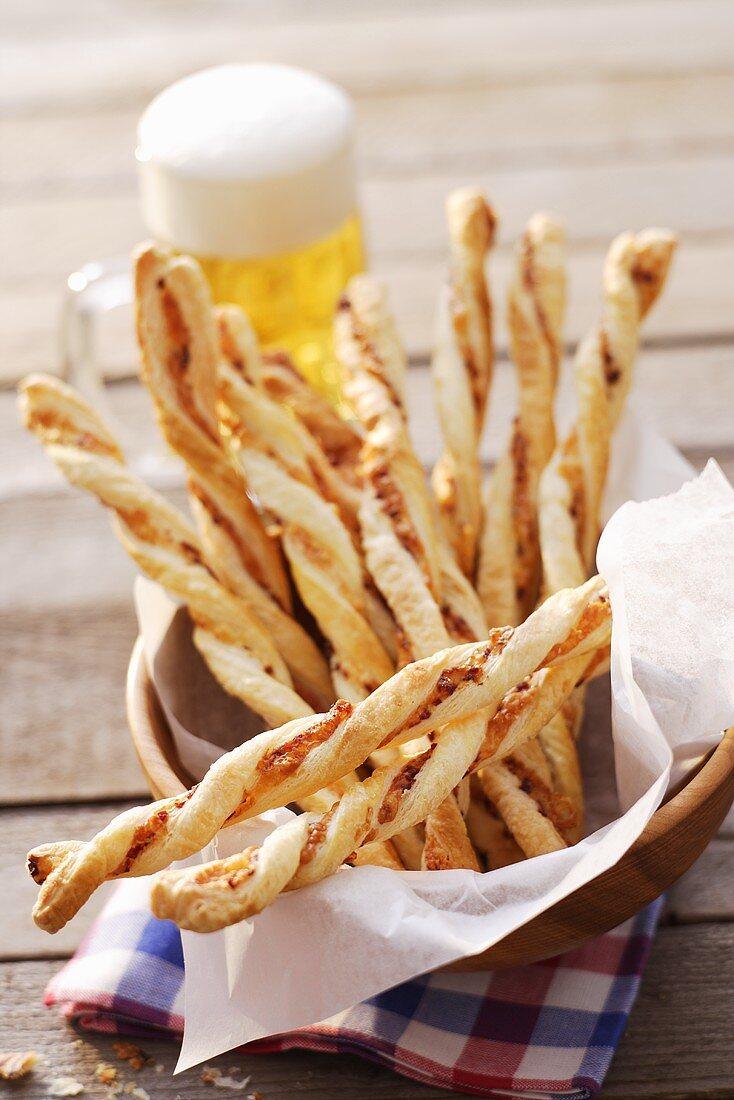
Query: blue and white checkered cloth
549	1029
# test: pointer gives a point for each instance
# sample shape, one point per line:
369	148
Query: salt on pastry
308	754
462	367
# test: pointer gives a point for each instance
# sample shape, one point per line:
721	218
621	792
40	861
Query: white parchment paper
669	563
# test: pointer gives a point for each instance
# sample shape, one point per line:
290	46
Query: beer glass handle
98	344
94	291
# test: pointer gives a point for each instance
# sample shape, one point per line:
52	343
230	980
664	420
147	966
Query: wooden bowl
674	838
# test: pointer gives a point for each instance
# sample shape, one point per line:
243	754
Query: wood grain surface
613	115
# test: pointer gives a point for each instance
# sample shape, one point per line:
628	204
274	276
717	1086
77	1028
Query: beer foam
247	160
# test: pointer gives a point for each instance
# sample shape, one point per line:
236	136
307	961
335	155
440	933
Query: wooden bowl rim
712	782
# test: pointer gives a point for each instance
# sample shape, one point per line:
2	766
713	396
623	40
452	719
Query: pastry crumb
65	1086
13	1066
130	1053
105	1073
231	1083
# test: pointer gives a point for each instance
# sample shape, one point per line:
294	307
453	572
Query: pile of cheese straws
427	719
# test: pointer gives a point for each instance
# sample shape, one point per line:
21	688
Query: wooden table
614	115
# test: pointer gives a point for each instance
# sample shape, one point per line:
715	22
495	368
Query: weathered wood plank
64	732
678	1043
21	830
669	1050
466	130
99	16
387	52
696	305
405	214
22	21
706	892
66	632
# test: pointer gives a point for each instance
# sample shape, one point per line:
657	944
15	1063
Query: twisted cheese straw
572	483
306	755
536	309
180	354
462	370
267	445
508	566
393	546
296	476
374	371
510	555
234	645
395	797
231	640
339	439
295	433
179	342
403	552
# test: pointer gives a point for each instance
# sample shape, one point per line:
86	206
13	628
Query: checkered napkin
549	1029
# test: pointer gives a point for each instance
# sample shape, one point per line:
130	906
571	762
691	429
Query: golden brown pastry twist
275	455
180	355
393	546
339	439
572	483
403	551
508	568
304	756
462	370
232	641
395	797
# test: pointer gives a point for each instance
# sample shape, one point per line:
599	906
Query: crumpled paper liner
669	564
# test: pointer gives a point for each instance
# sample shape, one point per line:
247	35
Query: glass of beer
250	168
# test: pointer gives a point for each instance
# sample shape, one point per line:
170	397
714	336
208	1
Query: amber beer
250	169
